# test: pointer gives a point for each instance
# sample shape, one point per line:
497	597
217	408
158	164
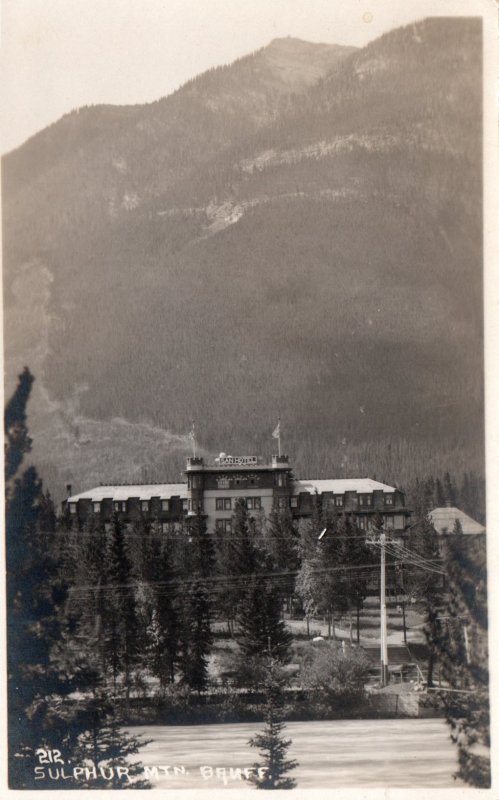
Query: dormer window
165	505
119	505
144	505
365	499
389	499
96	508
338	501
72	508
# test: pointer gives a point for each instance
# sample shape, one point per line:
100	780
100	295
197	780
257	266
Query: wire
226	581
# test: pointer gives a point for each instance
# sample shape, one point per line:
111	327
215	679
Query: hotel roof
341	485
122	492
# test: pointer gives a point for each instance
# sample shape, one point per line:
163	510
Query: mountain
298	233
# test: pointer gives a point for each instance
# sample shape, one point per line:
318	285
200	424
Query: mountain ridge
324	262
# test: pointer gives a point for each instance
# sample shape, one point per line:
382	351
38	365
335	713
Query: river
395	753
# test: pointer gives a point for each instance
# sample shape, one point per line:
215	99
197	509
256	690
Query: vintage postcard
249	308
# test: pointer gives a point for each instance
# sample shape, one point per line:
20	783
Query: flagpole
193	437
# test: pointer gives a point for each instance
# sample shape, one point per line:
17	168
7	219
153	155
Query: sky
57	55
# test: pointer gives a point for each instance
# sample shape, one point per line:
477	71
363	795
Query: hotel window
365	499
223	525
253	503
72	508
389	499
227	503
164	527
294	501
185	506
362	523
165	505
282	502
96	508
281	479
119	505
144	505
219	504
338	501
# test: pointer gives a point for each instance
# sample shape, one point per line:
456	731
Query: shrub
334	678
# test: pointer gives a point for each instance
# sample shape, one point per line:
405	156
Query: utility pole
384	643
384	677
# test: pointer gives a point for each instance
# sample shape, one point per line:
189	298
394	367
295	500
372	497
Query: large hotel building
213	489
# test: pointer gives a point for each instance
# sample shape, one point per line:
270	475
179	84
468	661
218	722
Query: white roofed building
214	487
444	520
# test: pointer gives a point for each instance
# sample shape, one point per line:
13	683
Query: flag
276	434
192	433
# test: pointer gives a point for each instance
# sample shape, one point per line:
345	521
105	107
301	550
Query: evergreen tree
450	491
440	498
35	597
17	440
43	672
195	637
463	652
104	747
120	623
423	579
260	626
237	557
163	611
197	607
273	748
281	543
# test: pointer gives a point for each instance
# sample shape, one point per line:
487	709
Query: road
402	753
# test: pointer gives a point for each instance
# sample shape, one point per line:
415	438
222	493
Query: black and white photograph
247	288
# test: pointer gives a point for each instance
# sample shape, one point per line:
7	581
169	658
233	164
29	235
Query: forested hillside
296	234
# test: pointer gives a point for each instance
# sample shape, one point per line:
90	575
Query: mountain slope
297	233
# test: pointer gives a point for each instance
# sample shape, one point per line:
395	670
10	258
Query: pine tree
17	440
119	619
260	626
40	679
43	671
281	543
450	490
164	611
197	607
273	748
104	747
237	557
463	652
35	597
423	579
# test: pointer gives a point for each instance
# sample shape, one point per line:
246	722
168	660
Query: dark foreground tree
463	652
105	749
45	676
36	687
271	744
